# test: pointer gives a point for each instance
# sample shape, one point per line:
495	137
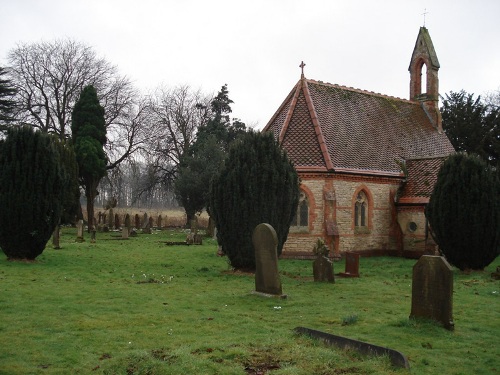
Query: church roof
327	127
421	178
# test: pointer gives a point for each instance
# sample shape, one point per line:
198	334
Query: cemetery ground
138	306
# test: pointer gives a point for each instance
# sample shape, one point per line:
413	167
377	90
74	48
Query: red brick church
367	162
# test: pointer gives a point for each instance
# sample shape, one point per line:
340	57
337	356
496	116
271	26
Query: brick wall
332	198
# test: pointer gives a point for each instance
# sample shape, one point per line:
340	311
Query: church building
367	162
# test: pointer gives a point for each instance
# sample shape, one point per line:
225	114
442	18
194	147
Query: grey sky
256	46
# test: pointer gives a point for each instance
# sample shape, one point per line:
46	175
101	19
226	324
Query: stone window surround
369	197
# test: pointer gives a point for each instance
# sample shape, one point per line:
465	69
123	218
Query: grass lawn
138	306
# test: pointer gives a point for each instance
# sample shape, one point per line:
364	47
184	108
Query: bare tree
176	115
49	77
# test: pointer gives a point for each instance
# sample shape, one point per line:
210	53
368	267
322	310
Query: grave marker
323	270
432	290
267	278
79	231
351	265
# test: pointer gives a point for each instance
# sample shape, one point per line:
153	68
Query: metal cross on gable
302	67
424	14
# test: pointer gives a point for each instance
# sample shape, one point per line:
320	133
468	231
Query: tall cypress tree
464	212
31	183
258	184
88	128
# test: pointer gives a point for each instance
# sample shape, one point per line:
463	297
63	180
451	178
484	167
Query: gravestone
323	270
151	222
158	222
351	265
193	238
56	235
265	243
125	233
137	221
432	290
79	231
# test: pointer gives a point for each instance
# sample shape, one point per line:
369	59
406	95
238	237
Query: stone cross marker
432	290
265	243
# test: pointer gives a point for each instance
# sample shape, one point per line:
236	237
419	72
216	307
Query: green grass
141	307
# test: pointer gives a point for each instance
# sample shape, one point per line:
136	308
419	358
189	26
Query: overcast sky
256	46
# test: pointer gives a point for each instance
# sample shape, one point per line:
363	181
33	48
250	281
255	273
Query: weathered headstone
158	222
351	265
265	243
56	237
79	231
432	290
137	221
151	222
125	232
323	269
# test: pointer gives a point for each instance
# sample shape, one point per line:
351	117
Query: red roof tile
363	131
422	176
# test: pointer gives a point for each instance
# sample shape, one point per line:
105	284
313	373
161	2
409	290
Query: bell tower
424	64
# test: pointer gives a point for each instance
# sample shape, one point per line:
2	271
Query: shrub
258	184
464	212
31	183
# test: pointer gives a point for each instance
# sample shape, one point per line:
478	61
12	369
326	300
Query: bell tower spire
424	64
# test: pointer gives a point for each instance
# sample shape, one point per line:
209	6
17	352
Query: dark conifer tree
464	212
31	184
202	161
258	184
88	128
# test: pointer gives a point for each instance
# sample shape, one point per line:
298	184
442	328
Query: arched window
423	81
301	217
361	210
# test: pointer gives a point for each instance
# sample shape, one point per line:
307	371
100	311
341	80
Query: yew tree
257	184
464	212
32	181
